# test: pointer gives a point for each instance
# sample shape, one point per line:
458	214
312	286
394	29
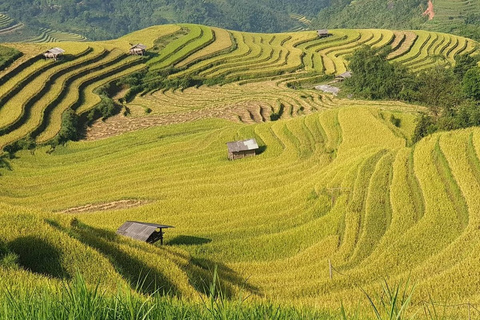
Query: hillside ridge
338	198
35	93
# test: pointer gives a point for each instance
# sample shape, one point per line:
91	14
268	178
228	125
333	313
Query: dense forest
393	14
97	19
106	19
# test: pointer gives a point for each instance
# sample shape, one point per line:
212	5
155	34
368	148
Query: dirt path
429	12
121	124
114	205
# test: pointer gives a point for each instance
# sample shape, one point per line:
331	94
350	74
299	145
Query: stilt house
148	232
54	53
242	149
138	49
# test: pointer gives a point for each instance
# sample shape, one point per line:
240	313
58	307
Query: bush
27	143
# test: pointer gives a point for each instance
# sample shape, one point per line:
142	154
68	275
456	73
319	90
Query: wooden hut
323	33
138	49
148	232
54	53
341	77
242	149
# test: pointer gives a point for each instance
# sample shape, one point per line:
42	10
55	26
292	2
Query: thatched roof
140	230
244	145
139	46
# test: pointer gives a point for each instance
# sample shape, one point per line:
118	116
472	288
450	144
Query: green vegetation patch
7	56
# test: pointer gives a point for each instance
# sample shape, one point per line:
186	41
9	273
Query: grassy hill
100	20
460	17
37	93
29	20
316	194
337	201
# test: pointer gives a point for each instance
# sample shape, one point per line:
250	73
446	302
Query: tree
439	89
463	63
376	78
471	84
425	126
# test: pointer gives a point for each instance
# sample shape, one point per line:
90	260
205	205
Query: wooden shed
138	49
341	77
54	53
242	149
323	33
143	231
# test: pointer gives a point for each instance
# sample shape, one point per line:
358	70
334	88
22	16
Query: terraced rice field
36	93
49	35
448	13
34	35
34	99
338	185
8	25
257	55
5	21
337	200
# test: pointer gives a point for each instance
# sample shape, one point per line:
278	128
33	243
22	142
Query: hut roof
328	88
322	31
347	74
139	46
244	145
56	50
139	230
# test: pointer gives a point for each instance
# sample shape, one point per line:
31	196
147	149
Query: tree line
107	19
452	94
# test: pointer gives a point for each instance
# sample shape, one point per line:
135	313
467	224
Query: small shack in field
323	33
143	231
242	149
54	53
138	49
341	77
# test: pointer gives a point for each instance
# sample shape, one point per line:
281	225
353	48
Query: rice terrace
341	214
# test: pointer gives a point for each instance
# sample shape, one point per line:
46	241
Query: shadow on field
139	276
188	240
261	149
4	163
38	256
201	273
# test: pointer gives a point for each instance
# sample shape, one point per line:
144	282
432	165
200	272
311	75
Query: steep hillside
337	201
372	206
110	19
456	16
41	98
13	31
460	17
96	20
393	14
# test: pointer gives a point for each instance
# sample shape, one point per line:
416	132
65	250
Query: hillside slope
40	98
372	206
110	19
336	201
456	16
394	14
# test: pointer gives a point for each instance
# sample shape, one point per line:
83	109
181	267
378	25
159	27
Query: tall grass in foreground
76	300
